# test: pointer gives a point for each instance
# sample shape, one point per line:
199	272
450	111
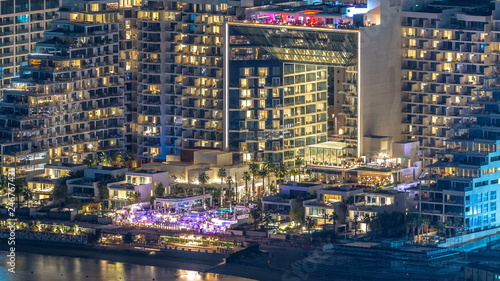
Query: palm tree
333	217
222	174
426	221
447	224
440	228
60	192
281	172
309	224
229	182
103	190
263	173
116	157
366	220
203	178
344	208
356	218
299	162
411	223
267	219
254	170
325	217
293	173
255	213
270	167
19	186
28	196
246	178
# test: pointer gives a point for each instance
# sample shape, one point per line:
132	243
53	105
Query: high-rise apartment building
274	107
22	23
446	48
180	77
68	102
129	65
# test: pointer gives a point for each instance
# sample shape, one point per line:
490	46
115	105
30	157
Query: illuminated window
246	93
244	83
262	82
263	71
246	103
262	145
247	71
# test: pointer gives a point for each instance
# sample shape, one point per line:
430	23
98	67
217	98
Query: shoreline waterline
200	266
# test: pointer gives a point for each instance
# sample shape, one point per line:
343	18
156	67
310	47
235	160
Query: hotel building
179	77
22	23
446	47
67	104
461	186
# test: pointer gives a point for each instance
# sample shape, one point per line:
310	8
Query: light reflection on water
35	267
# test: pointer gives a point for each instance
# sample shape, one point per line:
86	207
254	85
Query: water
35	267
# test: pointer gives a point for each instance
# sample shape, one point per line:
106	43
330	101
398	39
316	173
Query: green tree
270	168
267	219
299	162
254	170
4	182
255	213
281	172
203	178
134	197
103	158
222	174
411	222
116	157
325	217
344	208
159	191
28	196
297	215
60	192
129	158
103	190
229	182
367	220
440	228
356	221
263	173
19	187
309	224
246	178
333	217
89	161
293	173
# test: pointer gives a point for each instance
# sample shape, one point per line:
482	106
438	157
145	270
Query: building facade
446	48
22	23
68	104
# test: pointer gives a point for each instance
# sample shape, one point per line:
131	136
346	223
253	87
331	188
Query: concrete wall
91	173
216	158
380	78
